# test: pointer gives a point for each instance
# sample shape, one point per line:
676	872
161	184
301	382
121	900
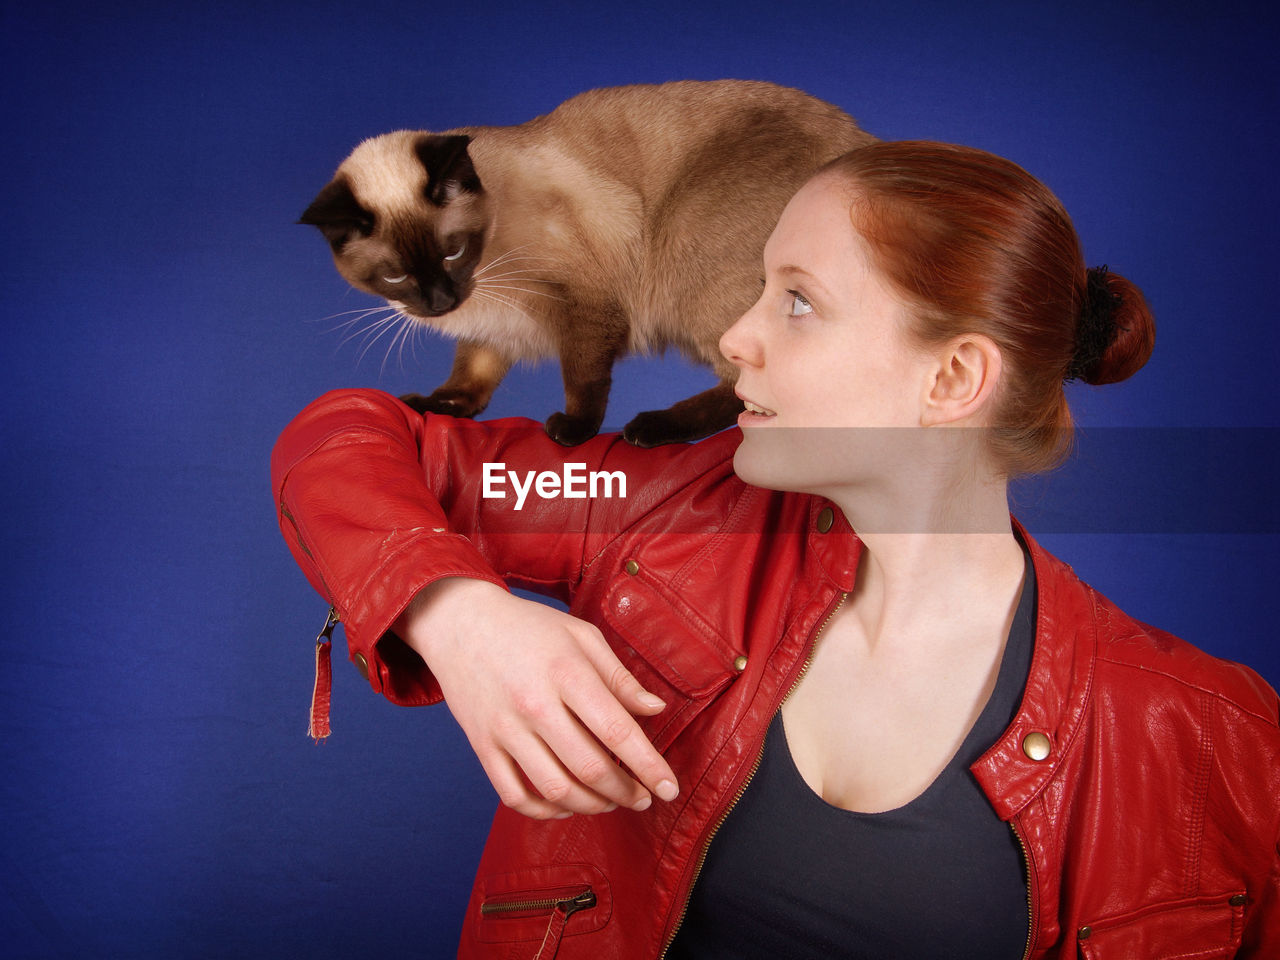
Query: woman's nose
739	344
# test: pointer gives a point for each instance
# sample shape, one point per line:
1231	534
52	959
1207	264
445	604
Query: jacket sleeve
1262	928
1262	936
376	502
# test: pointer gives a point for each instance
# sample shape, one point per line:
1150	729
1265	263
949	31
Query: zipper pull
581	902
330	621
564	909
318	728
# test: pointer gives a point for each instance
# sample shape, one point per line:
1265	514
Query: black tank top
790	876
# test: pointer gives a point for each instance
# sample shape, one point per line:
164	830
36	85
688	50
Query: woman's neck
933	552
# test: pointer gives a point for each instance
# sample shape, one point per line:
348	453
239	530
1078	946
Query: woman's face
832	383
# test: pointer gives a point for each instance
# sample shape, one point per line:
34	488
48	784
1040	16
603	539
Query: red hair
978	245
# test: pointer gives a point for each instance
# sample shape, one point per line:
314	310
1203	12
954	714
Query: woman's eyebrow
790	269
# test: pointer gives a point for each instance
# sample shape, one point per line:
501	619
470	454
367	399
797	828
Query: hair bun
1115	331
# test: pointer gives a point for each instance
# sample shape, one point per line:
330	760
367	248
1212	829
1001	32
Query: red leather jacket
1140	776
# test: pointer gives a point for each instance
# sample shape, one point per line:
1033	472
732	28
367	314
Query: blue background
164	318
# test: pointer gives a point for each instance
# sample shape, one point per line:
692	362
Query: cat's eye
799	305
457	254
400	279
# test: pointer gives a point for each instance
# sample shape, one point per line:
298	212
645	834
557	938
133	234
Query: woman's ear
963	380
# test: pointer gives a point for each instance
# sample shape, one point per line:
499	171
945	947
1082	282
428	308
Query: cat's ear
448	165
337	213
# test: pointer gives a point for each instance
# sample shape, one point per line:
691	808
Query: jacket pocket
1199	928
669	650
542	905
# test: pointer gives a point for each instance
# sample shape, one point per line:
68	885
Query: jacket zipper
570	905
1031	903
297	532
561	910
702	856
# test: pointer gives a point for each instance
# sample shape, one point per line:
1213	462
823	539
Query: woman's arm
378	504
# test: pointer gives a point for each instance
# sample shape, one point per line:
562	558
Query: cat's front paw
570	431
454	403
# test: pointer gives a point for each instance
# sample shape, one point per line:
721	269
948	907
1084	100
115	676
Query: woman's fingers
601	712
534	783
576	717
588	764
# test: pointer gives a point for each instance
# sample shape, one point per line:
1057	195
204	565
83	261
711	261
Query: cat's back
693	107
649	133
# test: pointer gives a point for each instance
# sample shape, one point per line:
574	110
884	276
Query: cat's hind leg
698	416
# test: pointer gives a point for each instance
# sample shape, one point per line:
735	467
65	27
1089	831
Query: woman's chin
773	460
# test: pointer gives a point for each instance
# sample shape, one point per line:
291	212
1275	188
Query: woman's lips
754	412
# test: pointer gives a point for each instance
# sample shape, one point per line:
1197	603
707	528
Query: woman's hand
541	698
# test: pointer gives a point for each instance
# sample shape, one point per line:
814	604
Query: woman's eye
457	254
799	306
400	279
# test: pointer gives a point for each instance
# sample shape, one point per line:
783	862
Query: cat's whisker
505	301
345	313
417	332
413	330
537	293
530	275
507	261
394	329
410	335
364	315
508	253
364	332
509	258
516	254
387	324
405	329
368	328
489	296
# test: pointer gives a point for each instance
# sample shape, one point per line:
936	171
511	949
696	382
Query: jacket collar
1023	761
832	542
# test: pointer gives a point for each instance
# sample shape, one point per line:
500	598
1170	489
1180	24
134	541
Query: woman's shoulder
1135	660
1142	652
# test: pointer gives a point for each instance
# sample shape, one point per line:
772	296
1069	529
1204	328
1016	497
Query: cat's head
405	216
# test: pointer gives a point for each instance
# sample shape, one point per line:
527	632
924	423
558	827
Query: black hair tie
1096	326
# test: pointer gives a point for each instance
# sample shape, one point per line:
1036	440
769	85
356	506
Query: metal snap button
826	517
362	665
632	567
1037	745
739	663
1084	933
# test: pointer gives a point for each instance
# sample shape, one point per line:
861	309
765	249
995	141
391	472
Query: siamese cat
628	219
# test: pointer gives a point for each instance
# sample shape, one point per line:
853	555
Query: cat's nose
441	300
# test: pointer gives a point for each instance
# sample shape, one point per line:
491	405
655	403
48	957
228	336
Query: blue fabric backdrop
164	318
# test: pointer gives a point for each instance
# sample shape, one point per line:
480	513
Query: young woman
858	711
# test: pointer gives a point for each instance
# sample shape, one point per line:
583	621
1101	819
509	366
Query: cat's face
406	217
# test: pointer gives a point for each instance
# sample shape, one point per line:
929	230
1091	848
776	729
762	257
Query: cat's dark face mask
421	259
